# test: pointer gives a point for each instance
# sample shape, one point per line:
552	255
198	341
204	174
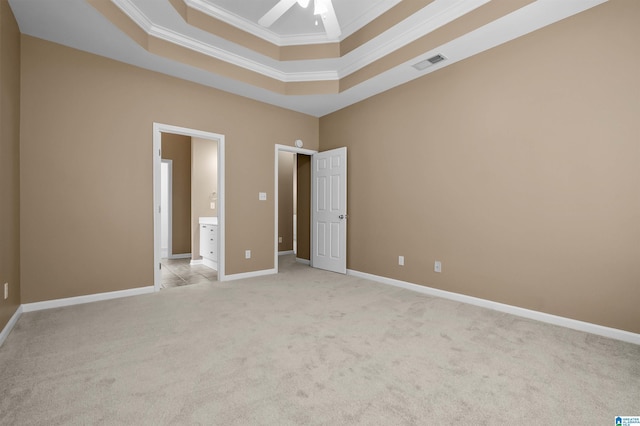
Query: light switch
262	196
213	205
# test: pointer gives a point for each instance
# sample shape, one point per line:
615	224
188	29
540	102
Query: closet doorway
292	203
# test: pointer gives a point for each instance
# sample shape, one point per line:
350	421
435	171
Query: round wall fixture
299	143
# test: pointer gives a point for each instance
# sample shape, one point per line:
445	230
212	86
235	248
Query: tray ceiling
292	64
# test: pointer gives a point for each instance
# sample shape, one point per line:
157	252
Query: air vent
428	62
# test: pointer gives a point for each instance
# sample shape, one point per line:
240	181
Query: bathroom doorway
202	192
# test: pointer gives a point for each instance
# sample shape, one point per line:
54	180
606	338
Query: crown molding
135	14
365	18
205	6
430	18
140	19
255	29
422	23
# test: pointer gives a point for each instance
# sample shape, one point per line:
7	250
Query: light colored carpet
307	347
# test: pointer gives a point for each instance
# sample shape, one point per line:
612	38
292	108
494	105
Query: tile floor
179	272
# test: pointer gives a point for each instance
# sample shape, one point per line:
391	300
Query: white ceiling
77	24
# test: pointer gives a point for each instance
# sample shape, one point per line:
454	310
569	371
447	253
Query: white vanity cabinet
209	241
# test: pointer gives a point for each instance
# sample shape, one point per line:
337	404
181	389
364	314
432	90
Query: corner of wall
9	168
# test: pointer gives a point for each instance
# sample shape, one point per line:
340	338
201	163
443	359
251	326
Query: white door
329	210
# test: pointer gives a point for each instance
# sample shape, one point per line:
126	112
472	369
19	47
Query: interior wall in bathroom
178	149
204	186
285	200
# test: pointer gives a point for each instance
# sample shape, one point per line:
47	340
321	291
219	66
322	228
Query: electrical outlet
6	290
401	260
437	267
279	239
247	254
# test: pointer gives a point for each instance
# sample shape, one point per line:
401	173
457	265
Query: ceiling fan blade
276	12
330	21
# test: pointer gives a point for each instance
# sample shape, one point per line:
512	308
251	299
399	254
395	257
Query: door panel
322	244
322	194
329	210
335	241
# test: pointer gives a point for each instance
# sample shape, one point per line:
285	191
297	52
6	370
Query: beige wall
9	163
178	149
204	182
86	154
517	168
285	200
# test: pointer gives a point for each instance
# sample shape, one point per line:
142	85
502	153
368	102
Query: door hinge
160	152
159	209
159	265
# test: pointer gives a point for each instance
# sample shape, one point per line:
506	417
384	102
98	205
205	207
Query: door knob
343	216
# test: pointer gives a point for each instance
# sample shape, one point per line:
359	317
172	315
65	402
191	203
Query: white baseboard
12	322
286	252
303	261
213	264
180	256
253	274
78	300
196	262
613	333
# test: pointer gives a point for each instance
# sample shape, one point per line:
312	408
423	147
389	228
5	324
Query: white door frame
158	129
295	150
169	211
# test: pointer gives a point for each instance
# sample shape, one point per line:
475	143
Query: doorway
328	213
301	217
158	130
